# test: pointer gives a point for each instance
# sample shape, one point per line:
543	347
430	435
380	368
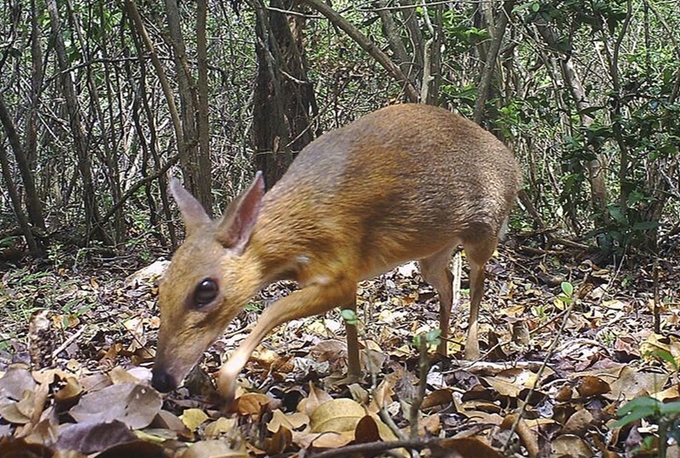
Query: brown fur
405	182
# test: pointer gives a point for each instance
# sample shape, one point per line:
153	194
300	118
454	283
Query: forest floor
566	344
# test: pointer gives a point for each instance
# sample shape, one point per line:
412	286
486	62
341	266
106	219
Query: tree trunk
490	64
429	92
408	14
92	218
374	51
409	65
283	97
16	202
204	163
421	61
137	24
31	133
33	204
573	82
195	177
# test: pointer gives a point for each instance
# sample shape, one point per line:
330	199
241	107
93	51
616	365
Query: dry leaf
578	423
592	386
94	437
252	404
316	397
20	412
193	418
336	415
469	447
219	427
68	393
135	405
168	420
16	380
120	375
570	446
214	449
438	398
138	449
366	431
280	441
294	421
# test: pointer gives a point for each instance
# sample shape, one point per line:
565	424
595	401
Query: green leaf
416	340
588	111
630	418
250	307
666	356
350	316
671	408
641	403
645	225
567	288
637	409
616	213
433	336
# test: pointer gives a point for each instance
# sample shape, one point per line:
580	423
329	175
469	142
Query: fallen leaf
16	380
571	446
135	405
193	418
68	393
294	421
137	449
366	430
19	413
119	375
93	437
316	397
19	448
578	423
633	383
280	441
430	425
214	449
468	447
252	404
168	420
337	415
219	427
592	386
322	440
437	398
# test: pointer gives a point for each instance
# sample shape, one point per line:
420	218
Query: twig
655	280
69	341
133	189
492	367
571	243
540	252
423	366
389	421
537	380
544	230
350	450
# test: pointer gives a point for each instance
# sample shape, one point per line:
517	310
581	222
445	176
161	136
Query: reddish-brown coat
405	182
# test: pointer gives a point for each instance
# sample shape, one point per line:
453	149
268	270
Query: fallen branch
69	341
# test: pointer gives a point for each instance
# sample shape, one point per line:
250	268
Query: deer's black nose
163	381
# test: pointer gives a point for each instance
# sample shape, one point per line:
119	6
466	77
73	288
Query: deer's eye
206	292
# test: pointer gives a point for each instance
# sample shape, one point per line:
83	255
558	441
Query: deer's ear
239	220
193	214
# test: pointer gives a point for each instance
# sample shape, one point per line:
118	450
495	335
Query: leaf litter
553	375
